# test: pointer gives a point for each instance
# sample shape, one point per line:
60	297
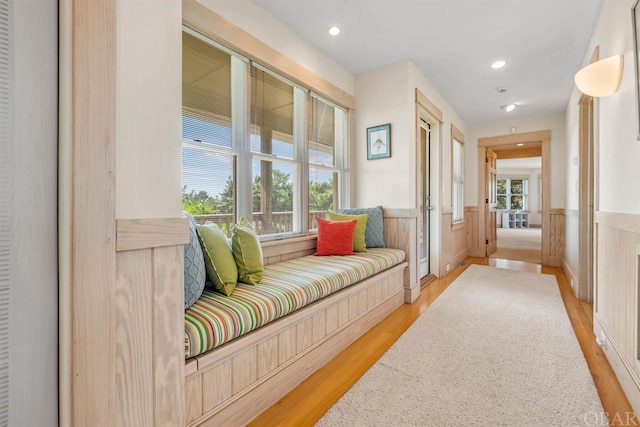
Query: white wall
148	109
387	95
383	97
619	150
33	317
555	123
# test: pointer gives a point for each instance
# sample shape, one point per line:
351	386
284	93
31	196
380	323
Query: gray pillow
374	234
194	271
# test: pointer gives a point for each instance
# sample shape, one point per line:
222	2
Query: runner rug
495	349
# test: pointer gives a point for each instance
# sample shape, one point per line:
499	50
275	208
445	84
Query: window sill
458	225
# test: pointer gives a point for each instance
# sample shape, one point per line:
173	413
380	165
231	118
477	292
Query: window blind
5	208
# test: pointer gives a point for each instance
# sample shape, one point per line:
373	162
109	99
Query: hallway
520	244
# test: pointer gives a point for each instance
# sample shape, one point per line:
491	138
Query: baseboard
453	262
572	279
555	261
628	380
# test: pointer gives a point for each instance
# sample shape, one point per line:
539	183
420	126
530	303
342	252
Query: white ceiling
454	42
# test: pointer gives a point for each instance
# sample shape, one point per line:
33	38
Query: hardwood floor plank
311	399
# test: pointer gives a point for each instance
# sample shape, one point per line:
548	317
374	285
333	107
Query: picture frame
379	142
635	17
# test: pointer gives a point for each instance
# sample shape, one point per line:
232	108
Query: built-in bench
241	377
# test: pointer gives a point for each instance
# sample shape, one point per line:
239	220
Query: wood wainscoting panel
134	343
149	382
616	295
401	232
557	235
168	328
471	218
454	243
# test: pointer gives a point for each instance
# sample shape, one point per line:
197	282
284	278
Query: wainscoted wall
556	237
149	302
616	296
471	218
454	246
570	263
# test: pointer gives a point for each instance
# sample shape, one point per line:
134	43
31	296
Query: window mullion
240	87
301	113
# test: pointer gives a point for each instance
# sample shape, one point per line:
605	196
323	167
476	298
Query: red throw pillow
335	237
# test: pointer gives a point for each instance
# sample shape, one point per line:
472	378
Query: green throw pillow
218	259
361	227
247	252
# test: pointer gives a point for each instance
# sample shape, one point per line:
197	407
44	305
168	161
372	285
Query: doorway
424	235
528	144
519	208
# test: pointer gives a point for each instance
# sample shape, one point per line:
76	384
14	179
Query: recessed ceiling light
509	107
520	145
498	64
334	31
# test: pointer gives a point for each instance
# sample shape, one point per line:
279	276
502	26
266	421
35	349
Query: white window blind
5	198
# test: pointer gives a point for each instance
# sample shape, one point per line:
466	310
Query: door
490	201
425	199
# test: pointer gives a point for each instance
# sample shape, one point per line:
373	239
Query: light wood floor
311	399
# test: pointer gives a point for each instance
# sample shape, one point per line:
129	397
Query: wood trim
458	225
151	233
558	211
471	208
93	231
400	213
203	20
620	221
456	133
429	106
543	137
515	138
546	200
517	153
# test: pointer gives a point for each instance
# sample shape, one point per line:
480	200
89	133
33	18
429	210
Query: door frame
424	104
543	137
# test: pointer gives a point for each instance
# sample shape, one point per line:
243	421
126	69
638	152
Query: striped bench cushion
215	319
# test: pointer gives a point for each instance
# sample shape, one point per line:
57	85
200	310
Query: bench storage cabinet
236	381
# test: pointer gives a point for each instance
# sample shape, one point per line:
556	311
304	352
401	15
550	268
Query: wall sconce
601	78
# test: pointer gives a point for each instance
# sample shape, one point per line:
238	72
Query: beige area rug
495	349
521	244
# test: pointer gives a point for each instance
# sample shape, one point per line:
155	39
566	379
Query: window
457	181
512	193
256	145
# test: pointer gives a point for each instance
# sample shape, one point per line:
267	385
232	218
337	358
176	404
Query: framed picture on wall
635	15
379	142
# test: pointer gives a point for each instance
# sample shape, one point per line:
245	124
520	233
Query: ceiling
454	42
